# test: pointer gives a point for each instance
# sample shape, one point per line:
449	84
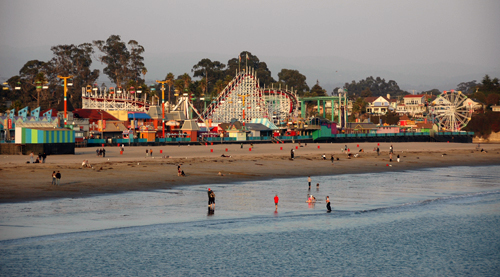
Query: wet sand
132	171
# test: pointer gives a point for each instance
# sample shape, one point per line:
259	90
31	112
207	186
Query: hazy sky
379	33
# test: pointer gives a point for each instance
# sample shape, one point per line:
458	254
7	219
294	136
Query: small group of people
332	158
345	149
40	159
149	153
86	164
101	152
310	199
56	178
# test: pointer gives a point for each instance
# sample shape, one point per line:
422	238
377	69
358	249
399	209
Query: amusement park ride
450	111
243	99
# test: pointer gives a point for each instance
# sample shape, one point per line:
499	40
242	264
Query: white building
413	105
380	105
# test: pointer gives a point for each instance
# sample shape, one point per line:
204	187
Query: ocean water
434	222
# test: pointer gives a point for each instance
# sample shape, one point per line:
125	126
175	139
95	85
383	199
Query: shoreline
132	171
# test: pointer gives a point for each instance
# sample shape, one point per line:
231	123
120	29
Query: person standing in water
276	200
328	207
211	199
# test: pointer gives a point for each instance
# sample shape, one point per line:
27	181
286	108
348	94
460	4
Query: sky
420	44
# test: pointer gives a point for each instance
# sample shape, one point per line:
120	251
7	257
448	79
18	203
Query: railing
273	138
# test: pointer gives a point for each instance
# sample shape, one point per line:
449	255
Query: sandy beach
133	171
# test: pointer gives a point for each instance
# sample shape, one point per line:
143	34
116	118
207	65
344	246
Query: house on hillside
413	105
475	104
380	105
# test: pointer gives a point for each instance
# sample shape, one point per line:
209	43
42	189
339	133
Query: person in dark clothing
58	177
43	157
328	207
103	152
292	154
211	198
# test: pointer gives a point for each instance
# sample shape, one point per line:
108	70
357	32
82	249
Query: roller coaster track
262	103
113	102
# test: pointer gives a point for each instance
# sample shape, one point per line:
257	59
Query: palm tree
203	86
219	86
40	80
179	85
187	80
144	71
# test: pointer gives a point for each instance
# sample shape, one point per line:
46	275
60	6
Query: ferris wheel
451	111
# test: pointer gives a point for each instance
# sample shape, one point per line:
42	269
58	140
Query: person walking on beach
58	178
151	152
103	153
147	154
391	149
309	181
332	159
123	147
32	157
292	154
378	151
44	156
276	199
328	207
97	152
53	178
211	199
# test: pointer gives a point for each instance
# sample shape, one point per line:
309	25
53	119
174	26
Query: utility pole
163	105
65	96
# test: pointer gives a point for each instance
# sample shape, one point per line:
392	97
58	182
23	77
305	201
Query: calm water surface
437	222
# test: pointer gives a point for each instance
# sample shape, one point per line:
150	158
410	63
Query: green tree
366	92
28	75
215	70
492	99
122	65
74	60
187	81
467	87
293	78
378	87
219	87
317	90
261	69
359	107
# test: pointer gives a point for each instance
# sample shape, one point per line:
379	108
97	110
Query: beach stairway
276	140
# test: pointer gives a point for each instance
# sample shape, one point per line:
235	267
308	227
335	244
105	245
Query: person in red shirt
276	199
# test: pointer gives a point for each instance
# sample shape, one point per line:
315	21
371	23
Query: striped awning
265	122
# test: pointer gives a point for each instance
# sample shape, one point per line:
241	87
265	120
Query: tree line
124	67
